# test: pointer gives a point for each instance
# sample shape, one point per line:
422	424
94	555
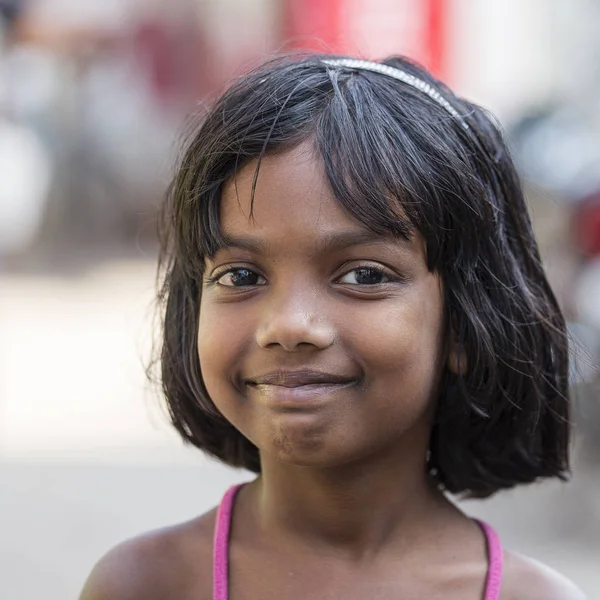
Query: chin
310	452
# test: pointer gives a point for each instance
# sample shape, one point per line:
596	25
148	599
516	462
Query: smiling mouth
298	395
293	379
298	387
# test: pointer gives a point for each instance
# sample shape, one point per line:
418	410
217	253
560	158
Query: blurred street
93	100
87	458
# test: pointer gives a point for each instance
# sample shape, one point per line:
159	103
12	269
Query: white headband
415	82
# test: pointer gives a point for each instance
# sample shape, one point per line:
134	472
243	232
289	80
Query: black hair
384	145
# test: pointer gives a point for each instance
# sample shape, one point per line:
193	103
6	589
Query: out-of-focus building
93	100
106	85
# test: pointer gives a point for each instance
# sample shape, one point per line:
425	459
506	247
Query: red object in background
371	28
153	42
437	42
586	225
163	50
307	23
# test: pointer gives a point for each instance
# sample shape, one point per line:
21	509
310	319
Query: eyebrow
329	243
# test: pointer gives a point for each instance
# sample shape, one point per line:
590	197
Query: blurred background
92	99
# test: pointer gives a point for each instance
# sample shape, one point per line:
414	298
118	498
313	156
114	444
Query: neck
356	508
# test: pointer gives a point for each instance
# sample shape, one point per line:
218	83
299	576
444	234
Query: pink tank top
221	552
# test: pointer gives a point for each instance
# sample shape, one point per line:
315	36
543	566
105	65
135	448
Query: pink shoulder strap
495	562
221	552
221	545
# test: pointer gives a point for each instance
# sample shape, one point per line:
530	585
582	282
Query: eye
365	276
239	277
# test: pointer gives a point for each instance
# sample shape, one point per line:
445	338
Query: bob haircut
385	145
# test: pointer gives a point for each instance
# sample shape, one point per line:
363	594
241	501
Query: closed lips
293	379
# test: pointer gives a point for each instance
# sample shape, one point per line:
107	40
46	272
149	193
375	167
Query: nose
294	319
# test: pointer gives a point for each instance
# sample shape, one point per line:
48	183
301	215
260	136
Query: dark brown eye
240	278
365	276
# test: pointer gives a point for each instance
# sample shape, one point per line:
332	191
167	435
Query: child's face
320	342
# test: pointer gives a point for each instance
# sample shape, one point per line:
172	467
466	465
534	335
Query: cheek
407	334
208	335
220	343
404	345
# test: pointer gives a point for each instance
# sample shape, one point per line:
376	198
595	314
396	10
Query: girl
355	310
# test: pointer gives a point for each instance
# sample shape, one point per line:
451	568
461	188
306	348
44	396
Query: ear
457	356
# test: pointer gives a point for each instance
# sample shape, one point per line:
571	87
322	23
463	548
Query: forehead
294	211
292	195
291	192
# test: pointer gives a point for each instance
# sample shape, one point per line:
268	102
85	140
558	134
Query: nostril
292	335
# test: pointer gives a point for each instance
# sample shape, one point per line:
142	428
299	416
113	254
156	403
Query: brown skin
344	507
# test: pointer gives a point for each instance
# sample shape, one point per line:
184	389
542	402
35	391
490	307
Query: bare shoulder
528	579
173	562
